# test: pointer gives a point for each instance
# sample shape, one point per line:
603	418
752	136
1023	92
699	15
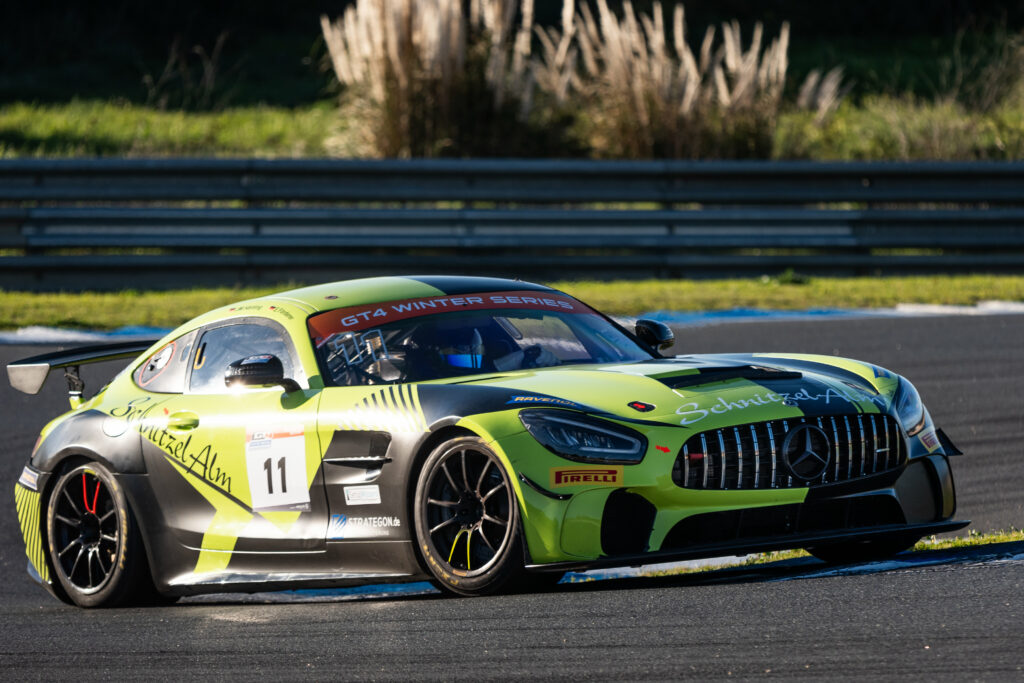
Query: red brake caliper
95	496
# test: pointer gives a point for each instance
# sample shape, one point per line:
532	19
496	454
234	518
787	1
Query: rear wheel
863	551
467	519
94	543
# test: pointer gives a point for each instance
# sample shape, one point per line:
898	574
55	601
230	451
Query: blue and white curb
750	315
37	334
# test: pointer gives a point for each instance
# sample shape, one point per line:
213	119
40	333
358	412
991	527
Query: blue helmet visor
465	360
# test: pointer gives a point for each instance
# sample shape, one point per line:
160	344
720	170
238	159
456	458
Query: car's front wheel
94	544
467	519
849	552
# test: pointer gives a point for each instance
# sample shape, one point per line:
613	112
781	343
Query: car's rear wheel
863	551
94	543
467	519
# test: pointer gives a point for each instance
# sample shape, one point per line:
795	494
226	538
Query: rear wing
29	375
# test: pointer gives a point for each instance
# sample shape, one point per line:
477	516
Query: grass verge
99	128
878	128
110	310
793	292
903	129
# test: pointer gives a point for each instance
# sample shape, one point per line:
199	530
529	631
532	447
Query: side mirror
264	370
654	334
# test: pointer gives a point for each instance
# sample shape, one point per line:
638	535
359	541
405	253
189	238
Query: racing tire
852	552
467	519
93	541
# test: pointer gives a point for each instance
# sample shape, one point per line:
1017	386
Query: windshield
440	337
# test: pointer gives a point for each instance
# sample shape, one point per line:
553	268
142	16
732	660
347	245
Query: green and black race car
485	434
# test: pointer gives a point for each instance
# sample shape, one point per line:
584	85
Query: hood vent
756	373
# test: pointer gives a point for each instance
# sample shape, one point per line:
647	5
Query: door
251	454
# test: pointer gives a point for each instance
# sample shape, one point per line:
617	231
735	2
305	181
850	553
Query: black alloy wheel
467	519
94	545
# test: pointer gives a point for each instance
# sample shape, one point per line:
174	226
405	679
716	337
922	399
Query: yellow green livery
485	434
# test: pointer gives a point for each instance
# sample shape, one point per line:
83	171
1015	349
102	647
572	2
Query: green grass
902	129
973	538
793	292
97	128
880	127
99	310
110	310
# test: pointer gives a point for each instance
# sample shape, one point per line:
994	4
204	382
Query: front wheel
849	552
94	544
467	519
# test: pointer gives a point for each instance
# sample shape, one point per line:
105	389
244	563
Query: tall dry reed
442	77
643	91
432	77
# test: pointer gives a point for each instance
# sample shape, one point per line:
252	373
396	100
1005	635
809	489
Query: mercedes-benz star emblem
806	452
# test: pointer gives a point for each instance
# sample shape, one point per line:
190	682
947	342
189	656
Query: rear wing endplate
29	375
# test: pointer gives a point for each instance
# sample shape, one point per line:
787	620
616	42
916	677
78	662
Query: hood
706	391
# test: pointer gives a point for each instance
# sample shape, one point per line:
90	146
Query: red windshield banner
356	318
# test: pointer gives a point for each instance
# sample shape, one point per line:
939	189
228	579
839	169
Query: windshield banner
356	318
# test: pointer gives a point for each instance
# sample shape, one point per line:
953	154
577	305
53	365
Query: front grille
750	456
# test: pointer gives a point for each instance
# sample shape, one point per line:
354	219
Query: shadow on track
803	568
811	568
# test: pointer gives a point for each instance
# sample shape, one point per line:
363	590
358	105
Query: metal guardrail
116	223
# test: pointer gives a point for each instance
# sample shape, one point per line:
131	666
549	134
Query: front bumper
637	514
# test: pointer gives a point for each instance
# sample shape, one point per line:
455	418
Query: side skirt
257	583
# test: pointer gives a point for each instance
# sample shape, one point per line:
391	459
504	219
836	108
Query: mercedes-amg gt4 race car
485	434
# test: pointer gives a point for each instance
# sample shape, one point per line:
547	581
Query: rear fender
95	435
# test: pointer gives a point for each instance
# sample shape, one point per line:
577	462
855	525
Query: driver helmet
469	353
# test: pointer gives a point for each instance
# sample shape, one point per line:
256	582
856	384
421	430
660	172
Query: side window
221	346
164	371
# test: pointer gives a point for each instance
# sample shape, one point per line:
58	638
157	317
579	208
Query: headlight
909	408
586	439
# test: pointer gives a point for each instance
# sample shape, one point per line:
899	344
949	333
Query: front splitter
758	545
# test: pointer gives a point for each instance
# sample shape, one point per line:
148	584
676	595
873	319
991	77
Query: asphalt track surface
949	615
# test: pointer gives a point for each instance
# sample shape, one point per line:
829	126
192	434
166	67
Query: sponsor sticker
275	460
343	526
930	439
695	412
543	400
29	479
881	372
584	475
281	311
362	495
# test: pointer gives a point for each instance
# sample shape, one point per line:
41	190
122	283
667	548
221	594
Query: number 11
270	480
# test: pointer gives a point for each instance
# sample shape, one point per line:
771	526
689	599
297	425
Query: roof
333	295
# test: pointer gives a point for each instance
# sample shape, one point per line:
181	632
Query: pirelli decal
392	409
27	502
585	475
